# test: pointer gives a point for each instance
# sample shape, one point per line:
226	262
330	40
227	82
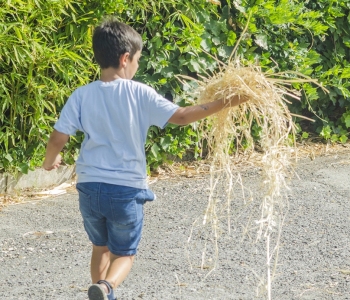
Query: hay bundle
268	109
267	114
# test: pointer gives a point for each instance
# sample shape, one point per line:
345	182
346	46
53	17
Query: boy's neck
111	74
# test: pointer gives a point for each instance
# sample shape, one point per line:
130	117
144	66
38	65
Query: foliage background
45	53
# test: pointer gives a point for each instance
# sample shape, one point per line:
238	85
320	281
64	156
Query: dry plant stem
267	108
234	51
268	260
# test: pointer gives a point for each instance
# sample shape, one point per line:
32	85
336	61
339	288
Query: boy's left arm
55	145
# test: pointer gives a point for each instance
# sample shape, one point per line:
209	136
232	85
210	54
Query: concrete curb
37	179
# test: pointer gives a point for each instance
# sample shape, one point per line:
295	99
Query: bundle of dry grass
267	110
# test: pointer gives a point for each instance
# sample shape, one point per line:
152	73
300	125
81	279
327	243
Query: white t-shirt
115	118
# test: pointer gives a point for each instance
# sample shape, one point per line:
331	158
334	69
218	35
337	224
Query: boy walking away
115	114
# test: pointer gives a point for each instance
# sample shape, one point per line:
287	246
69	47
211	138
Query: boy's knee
122	257
100	248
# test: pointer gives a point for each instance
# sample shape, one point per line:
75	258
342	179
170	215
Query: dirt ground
44	251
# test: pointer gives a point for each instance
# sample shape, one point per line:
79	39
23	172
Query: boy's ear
124	59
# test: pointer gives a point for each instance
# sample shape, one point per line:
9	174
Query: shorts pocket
84	203
124	211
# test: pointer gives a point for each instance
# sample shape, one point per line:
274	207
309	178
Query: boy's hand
48	167
237	100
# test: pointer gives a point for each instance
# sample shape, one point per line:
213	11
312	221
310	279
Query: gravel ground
44	252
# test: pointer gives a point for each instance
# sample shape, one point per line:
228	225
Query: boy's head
112	39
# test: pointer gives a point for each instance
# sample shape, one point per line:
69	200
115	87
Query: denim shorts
113	215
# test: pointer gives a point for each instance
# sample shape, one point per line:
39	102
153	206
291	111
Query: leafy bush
46	54
333	70
311	38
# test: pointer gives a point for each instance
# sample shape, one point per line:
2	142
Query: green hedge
312	38
46	53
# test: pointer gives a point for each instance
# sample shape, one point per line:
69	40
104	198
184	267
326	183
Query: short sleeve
160	109
69	121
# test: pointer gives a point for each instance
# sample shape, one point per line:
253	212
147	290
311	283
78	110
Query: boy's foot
97	291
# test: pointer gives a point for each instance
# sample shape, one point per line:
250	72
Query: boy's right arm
55	145
189	114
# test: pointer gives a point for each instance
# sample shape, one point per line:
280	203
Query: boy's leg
109	267
119	269
100	261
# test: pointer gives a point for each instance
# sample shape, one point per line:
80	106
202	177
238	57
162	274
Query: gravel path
44	252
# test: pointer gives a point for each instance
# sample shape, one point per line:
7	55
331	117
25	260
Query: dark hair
112	39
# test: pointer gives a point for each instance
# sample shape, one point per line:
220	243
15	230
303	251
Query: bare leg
100	260
119	268
109	267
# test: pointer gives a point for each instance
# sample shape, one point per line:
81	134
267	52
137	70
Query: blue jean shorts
113	215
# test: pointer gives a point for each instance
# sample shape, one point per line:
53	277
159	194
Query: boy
115	114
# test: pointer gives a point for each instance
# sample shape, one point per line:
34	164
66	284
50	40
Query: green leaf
206	44
194	66
9	157
231	38
155	150
334	138
261	40
347	120
165	142
305	135
345	73
343	139
326	132
23	167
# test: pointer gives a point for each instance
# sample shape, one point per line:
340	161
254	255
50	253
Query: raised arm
189	114
55	145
